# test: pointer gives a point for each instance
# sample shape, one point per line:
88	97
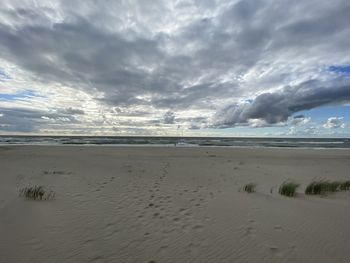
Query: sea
248	142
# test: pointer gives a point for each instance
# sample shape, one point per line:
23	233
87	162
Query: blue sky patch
323	113
342	70
18	96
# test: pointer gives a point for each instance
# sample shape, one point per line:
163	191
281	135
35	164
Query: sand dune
159	204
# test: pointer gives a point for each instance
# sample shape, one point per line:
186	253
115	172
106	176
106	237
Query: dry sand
159	204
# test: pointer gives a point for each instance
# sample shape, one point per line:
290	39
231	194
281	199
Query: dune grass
333	186
345	185
36	192
288	188
323	186
315	188
249	188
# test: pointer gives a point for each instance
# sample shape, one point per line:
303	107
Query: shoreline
172	146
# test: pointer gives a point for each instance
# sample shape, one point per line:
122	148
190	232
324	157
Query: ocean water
341	143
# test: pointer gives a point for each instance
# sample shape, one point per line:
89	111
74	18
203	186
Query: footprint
278	227
198	227
273	248
188	213
248	230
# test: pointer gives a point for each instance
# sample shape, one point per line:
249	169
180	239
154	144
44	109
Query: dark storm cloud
142	53
89	56
279	106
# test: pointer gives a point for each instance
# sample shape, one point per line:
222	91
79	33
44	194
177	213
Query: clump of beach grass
345	185
316	188
333	186
323	186
249	188
36	192
288	188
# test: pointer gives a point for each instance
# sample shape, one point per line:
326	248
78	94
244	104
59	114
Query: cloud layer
277	107
211	64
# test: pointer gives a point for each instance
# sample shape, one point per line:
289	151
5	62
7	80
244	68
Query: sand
167	204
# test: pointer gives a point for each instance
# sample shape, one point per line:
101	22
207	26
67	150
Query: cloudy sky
200	67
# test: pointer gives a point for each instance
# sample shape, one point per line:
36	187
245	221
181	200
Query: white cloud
334	123
257	123
300	120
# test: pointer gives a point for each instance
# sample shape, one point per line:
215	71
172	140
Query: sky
175	68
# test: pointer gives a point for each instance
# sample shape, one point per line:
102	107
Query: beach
172	204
